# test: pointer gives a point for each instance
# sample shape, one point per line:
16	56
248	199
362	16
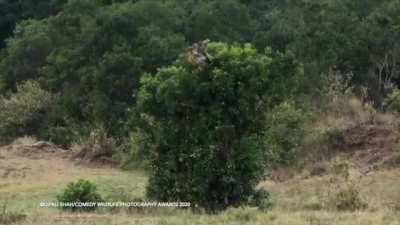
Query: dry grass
296	200
345	117
26	140
25	181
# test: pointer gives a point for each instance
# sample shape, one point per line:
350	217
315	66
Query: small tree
205	115
23	112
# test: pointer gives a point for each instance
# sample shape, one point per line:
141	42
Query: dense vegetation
82	191
142	71
206	124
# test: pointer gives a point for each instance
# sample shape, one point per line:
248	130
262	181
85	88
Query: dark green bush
134	153
61	135
261	199
205	120
80	191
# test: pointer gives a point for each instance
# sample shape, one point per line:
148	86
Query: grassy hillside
30	175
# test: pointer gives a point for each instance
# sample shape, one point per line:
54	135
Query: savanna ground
30	175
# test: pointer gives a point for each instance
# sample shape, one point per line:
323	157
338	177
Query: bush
204	115
345	191
284	134
61	135
261	199
347	198
392	102
23	112
134	152
82	191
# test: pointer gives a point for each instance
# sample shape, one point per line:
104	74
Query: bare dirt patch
369	145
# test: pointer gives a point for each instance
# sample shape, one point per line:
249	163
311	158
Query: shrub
81	191
347	198
61	135
261	199
134	152
392	102
334	136
345	191
205	119
284	133
22	113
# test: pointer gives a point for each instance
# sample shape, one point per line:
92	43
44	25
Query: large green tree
227	21
206	116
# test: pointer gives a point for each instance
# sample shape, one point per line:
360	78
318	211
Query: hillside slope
371	145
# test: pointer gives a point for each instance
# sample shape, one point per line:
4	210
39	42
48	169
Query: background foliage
68	67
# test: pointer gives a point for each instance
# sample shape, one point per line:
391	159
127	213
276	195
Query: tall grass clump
344	189
7	217
97	147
